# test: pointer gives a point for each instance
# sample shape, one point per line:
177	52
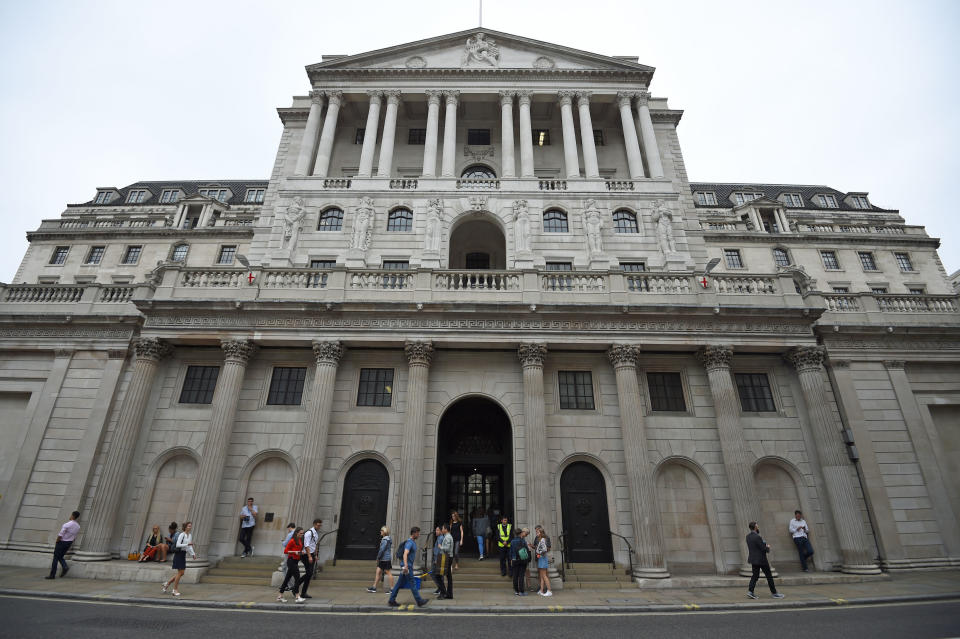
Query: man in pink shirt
68	532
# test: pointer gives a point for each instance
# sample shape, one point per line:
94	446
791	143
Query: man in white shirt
310	541
68	532
248	521
801	537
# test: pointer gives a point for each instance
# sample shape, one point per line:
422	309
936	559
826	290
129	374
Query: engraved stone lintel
532	354
894	364
238	351
806	358
623	355
715	356
151	348
419	353
328	352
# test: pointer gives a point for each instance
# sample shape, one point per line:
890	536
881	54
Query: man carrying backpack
406	554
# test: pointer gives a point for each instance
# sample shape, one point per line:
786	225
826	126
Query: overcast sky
859	96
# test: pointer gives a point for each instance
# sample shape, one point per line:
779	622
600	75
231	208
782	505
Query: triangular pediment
479	49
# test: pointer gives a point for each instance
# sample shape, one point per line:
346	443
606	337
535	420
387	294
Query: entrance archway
474	463
363	510
586	524
477	243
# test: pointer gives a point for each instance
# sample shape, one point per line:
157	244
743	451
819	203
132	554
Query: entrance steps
251	571
597	577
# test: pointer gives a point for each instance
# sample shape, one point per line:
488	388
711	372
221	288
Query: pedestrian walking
406	555
481	528
169	539
311	541
503	546
757	559
801	538
542	549
519	558
293	551
437	534
68	533
442	569
291	529
248	521
183	542
457	533
154	546
384	566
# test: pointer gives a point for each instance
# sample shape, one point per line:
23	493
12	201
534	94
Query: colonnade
316	146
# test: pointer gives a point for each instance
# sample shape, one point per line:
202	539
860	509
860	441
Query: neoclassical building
479	277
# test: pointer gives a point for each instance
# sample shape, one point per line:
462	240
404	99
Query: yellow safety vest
504	535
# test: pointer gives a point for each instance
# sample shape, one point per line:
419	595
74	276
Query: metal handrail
316	565
563	556
629	552
427	548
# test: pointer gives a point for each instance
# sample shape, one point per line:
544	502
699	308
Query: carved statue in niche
434	214
361	224
521	226
593	224
481	49
292	222
663	218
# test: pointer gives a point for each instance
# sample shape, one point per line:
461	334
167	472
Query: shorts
384	565
543	562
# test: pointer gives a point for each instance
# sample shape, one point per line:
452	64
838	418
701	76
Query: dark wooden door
586	523
363	510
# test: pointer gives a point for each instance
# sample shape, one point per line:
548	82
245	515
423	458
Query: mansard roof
238	190
773	191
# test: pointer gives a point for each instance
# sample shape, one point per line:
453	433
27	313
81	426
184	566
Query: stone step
241	572
250	561
234	580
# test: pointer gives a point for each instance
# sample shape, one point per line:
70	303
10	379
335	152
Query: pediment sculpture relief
482	50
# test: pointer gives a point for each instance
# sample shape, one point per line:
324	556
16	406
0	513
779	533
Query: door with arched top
363	510
586	523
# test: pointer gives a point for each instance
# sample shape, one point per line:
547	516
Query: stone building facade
478	276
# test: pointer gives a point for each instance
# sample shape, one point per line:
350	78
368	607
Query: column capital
375	96
316	97
623	355
642	98
393	96
894	364
715	356
806	358
452	96
151	348
625	98
433	96
583	97
506	98
334	97
532	354
238	351
419	353
566	97
328	352
523	97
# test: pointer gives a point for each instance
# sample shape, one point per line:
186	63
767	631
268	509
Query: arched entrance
477	243
474	463
363	510
586	523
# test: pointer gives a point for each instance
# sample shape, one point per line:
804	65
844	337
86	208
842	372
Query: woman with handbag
182	542
153	546
543	562
293	552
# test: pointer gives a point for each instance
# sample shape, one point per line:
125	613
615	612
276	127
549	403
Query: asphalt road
26	618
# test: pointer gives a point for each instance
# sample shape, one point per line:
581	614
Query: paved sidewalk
913	586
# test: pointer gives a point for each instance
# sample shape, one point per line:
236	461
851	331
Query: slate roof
773	191
238	189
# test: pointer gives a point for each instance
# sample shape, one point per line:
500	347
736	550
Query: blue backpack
403	547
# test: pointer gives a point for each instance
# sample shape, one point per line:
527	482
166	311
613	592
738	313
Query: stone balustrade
745	285
553	185
477	281
43	293
658	284
212	278
404	184
842	303
73	298
620	185
293	278
574	281
384	280
917	303
336	183
478	183
116	293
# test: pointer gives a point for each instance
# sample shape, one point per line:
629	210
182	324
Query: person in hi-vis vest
504	530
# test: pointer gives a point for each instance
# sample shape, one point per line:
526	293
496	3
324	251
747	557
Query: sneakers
393	604
751	595
164	587
176	593
548	593
243	555
372	589
437	591
777	595
422	603
300	599
281	599
540	593
481	558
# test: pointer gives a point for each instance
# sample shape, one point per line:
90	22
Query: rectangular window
576	389
103	197
179	253
478	136
559	266
255	196
903	261
867	261
706	198
841	289
755	395
395	265
732	258
781	257
358	138
376	387
827	201
95	255
742	198
541	137
322	264
417	136
633	267
878	290
168	196
132	255
830	261
286	386
666	392
916	290
59	255
860	202
199	384
319	280
792	199
216	194
136	197
227	253
598	137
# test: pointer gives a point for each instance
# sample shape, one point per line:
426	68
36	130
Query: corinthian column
306	488
206	491
648	135
526	135
590	166
716	359
643	498
569	135
334	99
538	478
98	536
410	509
430	139
449	134
506	134
370	136
634	160
385	165
309	141
831	452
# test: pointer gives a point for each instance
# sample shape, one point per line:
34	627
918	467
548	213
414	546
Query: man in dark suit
758	550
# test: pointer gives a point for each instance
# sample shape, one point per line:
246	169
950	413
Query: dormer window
860	202
169	196
216	194
826	201
255	196
742	197
706	198
792	199
103	197
137	196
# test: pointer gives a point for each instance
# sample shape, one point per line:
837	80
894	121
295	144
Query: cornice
293	114
666	115
319	76
832	239
167	231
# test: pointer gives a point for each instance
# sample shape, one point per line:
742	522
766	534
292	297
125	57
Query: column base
861	569
89	555
556	583
746	570
650	573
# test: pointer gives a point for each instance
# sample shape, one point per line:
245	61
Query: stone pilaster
450	134
634	160
306	488
743	496
506	134
526	135
309	141
430	140
647	532
808	360
385	165
590	165
649	137
570	158
370	134
410	509
538	475
322	165
206	492
98	536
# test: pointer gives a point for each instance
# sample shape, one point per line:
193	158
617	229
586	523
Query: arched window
781	257
478	172
400	220
554	221
331	220
179	252
625	222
